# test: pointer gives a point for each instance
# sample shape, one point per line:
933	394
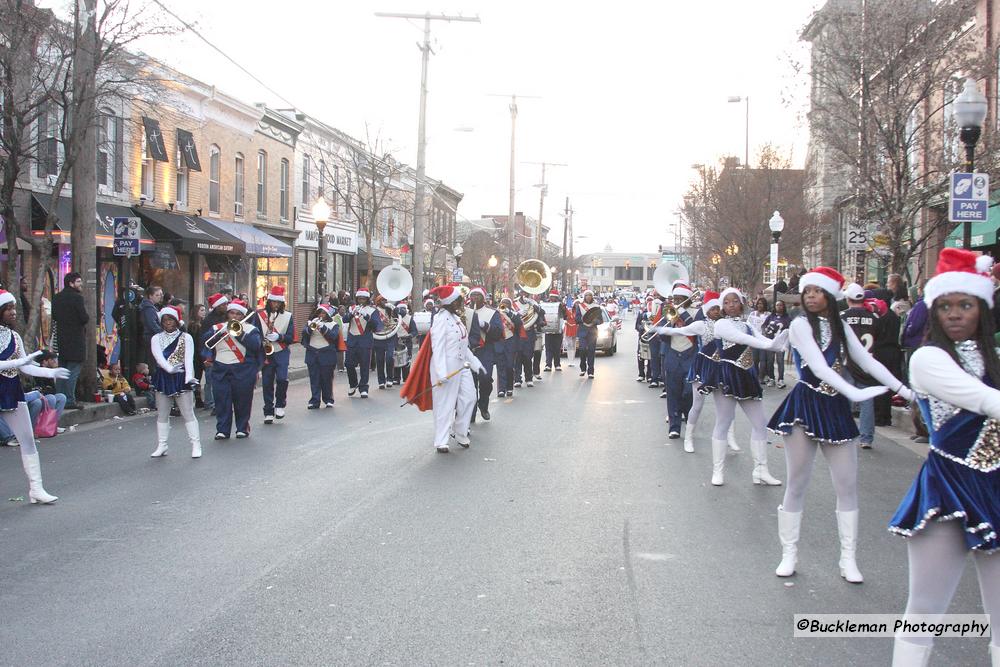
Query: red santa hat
710	300
586	292
477	290
217	300
446	294
554	292
362	292
682	290
172	311
277	293
6	297
961	271
827	279
326	308
238	306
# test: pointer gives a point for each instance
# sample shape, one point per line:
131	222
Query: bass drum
423	321
553	324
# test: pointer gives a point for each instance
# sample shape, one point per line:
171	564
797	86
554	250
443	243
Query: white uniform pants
453	405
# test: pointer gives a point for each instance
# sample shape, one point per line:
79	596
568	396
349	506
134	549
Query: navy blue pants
655	370
274	382
676	366
553	350
359	356
233	385
383	360
484	380
587	351
504	361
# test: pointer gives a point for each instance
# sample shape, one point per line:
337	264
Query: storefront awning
380	260
106	213
189	233
984	234
258	243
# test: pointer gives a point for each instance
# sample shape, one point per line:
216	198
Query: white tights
19	423
725	413
185	403
697	403
800	452
937	556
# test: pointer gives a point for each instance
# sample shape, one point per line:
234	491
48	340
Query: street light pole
776	224
970	113
321	215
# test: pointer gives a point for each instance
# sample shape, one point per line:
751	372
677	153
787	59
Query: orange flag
417	388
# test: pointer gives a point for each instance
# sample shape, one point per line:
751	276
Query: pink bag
47	422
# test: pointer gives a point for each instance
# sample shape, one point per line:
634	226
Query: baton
440	382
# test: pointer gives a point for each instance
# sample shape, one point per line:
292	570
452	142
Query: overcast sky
629	94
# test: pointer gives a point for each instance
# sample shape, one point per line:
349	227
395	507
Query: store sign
339	238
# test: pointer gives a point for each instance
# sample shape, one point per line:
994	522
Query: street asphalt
571	532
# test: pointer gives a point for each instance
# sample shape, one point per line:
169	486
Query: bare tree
882	74
728	210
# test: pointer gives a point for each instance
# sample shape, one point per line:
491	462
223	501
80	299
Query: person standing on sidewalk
775	323
149	321
69	315
862	322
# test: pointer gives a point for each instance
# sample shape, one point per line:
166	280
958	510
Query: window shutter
41	145
119	154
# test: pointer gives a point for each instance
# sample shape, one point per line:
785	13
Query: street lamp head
970	106
458	250
321	212
776	223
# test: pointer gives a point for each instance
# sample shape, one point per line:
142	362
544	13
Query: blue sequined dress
822	411
737	371
705	368
960	480
10	383
164	382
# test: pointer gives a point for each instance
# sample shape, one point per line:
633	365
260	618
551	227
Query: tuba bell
534	276
394	283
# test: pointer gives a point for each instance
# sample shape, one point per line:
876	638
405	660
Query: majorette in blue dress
164	381
960	480
705	369
737	371
816	406
11	392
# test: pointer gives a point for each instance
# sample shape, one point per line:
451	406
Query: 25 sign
857	238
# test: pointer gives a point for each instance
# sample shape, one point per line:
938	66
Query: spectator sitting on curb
144	384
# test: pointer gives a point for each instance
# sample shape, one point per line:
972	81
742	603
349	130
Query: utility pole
83	136
419	212
563	267
511	259
543	190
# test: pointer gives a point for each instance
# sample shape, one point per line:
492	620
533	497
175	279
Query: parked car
607	334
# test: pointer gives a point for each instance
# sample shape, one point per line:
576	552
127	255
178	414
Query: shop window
271	271
306	277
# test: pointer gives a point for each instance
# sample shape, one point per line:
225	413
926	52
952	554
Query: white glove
178	368
24	361
58	373
906	394
273	336
476	365
780	341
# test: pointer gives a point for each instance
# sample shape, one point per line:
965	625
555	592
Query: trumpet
233	328
268	348
314	324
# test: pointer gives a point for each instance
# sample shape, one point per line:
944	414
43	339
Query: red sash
262	314
231	344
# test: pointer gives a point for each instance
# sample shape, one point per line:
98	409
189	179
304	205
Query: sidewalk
95	412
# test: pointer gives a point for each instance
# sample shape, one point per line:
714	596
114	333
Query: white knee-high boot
162	434
689	439
718	461
905	654
194	437
847	525
33	469
788	534
731	438
761	475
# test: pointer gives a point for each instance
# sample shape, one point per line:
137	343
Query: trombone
232	328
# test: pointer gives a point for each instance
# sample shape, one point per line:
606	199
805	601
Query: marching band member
553	341
641	318
276	324
234	362
13	409
383	348
704	374
486	332
587	337
816	414
507	347
738	384
319	337
655	370
364	321
527	336
952	507
407	332
570	332
216	313
173	352
678	355
448	372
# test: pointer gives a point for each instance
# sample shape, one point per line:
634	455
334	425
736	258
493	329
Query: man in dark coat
149	322
69	317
